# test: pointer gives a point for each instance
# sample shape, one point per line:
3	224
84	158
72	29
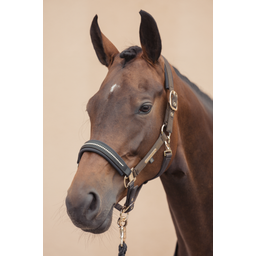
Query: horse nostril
93	204
83	208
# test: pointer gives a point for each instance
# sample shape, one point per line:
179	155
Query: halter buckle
168	149
173	100
130	178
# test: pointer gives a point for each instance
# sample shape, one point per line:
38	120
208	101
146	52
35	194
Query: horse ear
149	37
104	49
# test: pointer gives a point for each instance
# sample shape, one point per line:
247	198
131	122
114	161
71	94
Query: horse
127	115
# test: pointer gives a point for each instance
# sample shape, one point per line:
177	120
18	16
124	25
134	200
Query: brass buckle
173	104
130	178
162	128
168	149
167	142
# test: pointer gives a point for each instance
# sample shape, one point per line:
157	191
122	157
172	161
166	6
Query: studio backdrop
73	74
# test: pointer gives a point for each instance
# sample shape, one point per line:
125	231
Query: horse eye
145	109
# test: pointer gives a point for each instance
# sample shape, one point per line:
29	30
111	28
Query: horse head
127	114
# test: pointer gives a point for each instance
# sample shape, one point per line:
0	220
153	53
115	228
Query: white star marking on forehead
113	87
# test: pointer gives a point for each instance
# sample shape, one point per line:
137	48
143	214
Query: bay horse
127	115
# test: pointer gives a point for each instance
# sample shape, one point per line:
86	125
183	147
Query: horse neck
188	181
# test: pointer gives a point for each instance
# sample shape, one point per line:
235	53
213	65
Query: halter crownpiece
118	163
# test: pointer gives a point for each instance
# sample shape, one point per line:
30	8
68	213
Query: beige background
72	74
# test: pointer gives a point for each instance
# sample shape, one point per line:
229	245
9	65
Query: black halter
118	163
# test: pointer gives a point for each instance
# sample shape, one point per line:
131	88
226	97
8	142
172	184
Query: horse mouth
103	227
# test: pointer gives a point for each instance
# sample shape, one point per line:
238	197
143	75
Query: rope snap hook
122	223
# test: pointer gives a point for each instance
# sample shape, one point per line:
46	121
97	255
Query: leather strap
172	105
166	161
133	192
108	153
141	165
168	75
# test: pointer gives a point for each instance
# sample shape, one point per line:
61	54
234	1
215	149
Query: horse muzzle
85	212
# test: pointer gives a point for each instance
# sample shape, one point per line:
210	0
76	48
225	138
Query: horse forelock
130	53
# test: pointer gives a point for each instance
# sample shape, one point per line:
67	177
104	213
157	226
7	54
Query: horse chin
103	227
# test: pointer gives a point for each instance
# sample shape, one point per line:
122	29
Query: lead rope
122	250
